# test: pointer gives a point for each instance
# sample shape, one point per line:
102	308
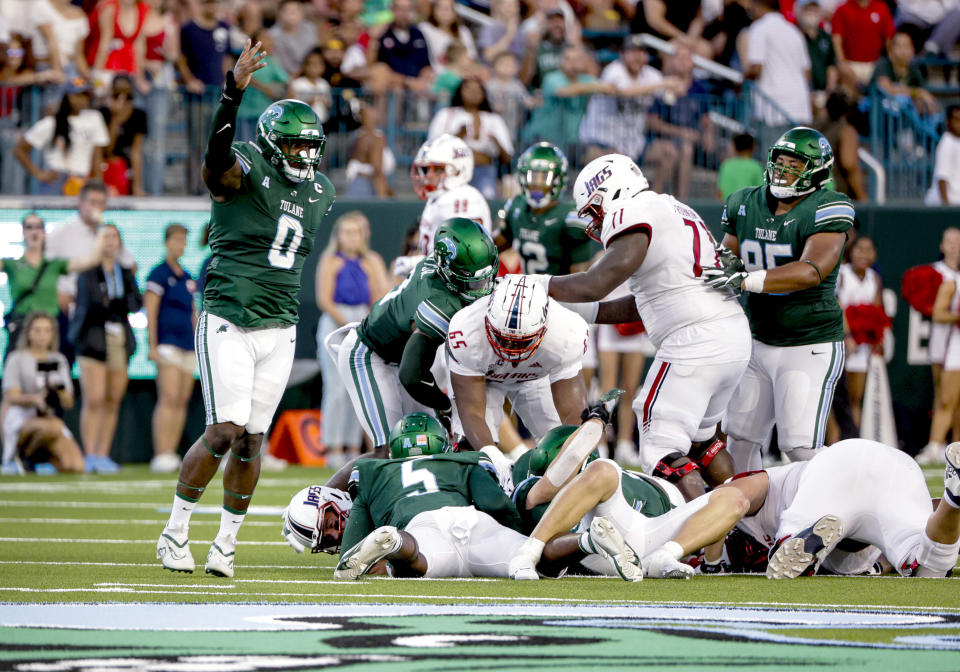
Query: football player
385	360
268	202
548	235
789	235
522	346
315	519
661	247
650	514
441	174
848	504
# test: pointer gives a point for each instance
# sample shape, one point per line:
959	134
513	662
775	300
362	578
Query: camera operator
36	390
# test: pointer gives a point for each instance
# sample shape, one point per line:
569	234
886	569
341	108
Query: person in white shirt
441	28
661	247
777	58
35	20
522	346
945	189
310	86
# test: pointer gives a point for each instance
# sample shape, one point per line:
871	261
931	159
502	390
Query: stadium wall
905	236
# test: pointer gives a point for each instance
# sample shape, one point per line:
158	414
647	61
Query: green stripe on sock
192	500
237	495
236	512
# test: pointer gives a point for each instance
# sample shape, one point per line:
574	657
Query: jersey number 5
282	254
422	479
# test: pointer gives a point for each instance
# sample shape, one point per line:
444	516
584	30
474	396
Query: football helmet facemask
304	517
813	163
466	257
542	173
601	185
516	319
418	434
291	138
440	165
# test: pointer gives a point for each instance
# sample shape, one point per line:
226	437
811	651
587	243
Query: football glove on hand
602	409
444	417
730	273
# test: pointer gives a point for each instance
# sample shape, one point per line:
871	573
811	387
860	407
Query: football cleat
801	554
661	565
931	454
523	568
606	540
357	561
722	567
220	557
173	550
951	475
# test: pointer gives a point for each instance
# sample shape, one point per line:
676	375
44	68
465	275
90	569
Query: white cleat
173	550
357	561
220	557
608	542
523	568
932	453
801	554
661	565
951	475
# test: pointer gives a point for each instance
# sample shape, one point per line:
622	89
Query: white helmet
516	317
601	182
440	165
303	518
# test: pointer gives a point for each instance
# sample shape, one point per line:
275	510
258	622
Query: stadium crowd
123	90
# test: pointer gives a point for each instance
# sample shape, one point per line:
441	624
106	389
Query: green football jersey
550	241
422	299
260	238
766	241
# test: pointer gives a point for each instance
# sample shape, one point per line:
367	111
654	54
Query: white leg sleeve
936	559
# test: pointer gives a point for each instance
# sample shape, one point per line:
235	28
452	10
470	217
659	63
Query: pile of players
440	354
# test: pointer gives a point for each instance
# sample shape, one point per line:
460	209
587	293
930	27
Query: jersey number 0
282	254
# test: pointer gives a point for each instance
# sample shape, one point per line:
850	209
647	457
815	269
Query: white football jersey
852	291
668	289
558	357
463	201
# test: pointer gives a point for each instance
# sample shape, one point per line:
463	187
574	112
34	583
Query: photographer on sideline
36	390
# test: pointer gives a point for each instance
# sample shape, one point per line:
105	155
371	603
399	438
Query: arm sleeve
415	376
756	51
359	525
486	495
219	155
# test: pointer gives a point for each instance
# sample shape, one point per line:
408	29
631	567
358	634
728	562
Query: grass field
79	582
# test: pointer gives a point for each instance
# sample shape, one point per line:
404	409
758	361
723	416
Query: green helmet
418	434
808	146
291	137
548	447
542	170
466	257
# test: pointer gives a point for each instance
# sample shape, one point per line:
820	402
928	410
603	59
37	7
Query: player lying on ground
657	525
841	510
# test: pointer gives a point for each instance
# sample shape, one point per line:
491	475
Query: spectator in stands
566	93
127	126
485	132
350	277
171	320
948	400
442	28
601	16
824	76
777	59
115	28
845	141
36	390
899	77
403	61
617	123
249	21
333	53
861	29
310	86
100	331
946	169
161	44
293	37
680	125
544	50
680	20
458	65
740	170
33	21
934	27
508	96
502	33
267	85
542	11
33	278
71	142
371	159
724	31
17	71
70	30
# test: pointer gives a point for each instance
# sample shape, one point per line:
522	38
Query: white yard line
64	563
120	521
44	540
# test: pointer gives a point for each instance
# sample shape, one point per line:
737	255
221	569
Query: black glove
730	272
598	410
444	417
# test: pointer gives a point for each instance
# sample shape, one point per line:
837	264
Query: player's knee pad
674	466
704	452
934	559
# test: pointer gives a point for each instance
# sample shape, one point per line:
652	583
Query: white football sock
230	524
180	512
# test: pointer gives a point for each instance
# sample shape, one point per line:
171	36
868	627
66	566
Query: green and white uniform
448	502
550	241
368	354
246	335
797	337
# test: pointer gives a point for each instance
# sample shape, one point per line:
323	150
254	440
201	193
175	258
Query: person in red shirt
861	29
